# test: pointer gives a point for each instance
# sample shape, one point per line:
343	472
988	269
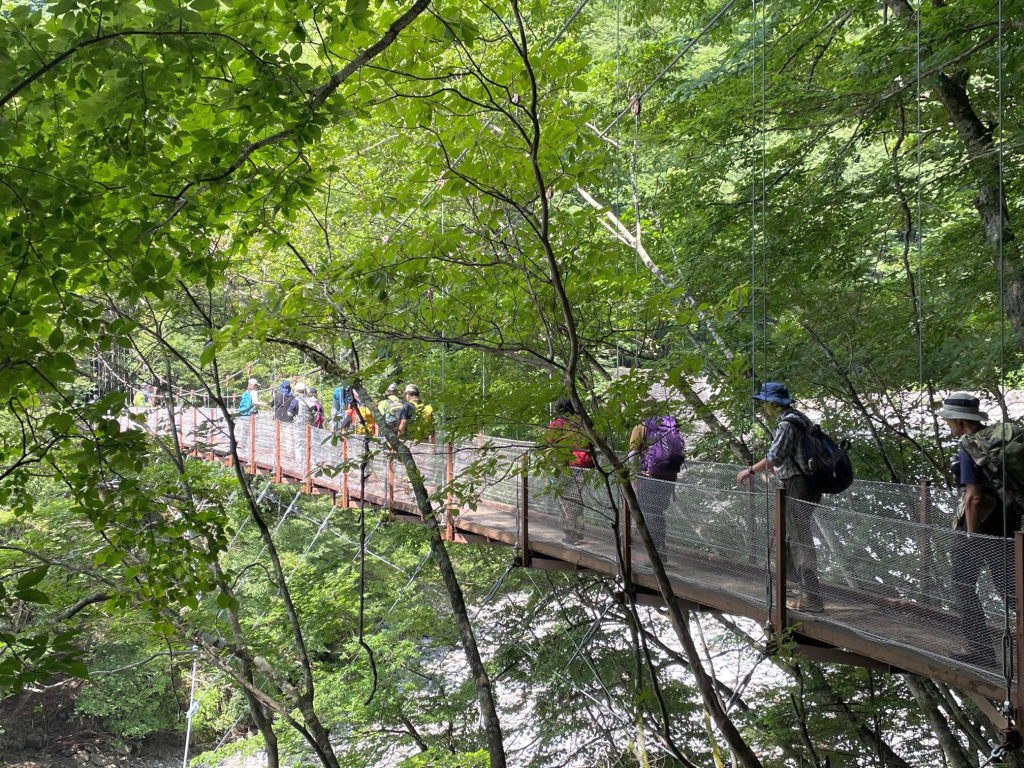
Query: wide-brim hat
300	386
773	392
962	405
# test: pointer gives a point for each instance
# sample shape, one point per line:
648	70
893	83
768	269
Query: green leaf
33	596
76	669
32	578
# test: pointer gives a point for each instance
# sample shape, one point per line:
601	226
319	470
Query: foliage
131	704
192	193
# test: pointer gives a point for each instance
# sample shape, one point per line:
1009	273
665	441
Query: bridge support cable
686	49
759	291
193	706
1013	707
415	573
628	725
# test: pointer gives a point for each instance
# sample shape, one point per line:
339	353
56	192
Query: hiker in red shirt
566	435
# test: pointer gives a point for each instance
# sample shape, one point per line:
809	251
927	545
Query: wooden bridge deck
888	610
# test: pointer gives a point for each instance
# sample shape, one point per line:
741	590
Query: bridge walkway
884	550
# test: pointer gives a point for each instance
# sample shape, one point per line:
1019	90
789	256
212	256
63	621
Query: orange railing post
195	427
308	485
449	477
524	515
779	619
344	475
180	426
277	450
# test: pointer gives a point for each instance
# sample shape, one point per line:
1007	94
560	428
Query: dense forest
641	207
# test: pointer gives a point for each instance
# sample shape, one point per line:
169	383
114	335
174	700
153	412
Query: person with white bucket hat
979	511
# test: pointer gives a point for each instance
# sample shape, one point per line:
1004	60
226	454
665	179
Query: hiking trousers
800	550
570	503
655	494
971	553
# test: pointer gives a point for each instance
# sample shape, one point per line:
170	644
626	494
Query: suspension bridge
884	550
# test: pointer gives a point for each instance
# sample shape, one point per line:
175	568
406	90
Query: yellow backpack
421	426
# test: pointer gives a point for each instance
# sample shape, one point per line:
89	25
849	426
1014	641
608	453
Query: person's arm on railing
973	503
761	466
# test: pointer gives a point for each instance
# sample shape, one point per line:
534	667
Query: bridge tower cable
1012	712
758	277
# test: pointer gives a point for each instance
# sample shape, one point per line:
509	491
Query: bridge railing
891	568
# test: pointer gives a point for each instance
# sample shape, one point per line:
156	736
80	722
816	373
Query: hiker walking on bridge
249	405
659	446
787	457
979	511
358	417
566	436
392	407
417	420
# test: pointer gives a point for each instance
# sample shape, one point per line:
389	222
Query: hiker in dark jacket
286	405
787	457
979	512
659	447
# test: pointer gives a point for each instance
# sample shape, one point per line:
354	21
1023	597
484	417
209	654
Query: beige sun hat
962	405
300	387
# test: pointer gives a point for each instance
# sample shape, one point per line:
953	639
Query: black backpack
283	410
830	469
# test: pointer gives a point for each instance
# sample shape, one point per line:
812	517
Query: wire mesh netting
882	557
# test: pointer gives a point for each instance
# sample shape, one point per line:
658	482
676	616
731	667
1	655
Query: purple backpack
665	446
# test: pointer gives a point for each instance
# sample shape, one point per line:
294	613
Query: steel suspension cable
920	226
764	254
758	284
686	49
635	106
1008	671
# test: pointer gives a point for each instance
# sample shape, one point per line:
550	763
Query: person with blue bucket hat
787	458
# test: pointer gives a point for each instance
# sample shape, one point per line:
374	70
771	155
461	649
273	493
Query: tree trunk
823	693
990	202
708	416
954	751
439	553
869	739
951	91
741	750
260	718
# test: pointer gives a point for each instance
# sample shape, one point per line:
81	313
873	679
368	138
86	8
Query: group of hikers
989	469
299	403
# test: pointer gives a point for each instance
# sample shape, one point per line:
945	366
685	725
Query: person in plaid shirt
787	457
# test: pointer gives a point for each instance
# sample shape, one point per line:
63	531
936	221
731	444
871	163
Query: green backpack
990	448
